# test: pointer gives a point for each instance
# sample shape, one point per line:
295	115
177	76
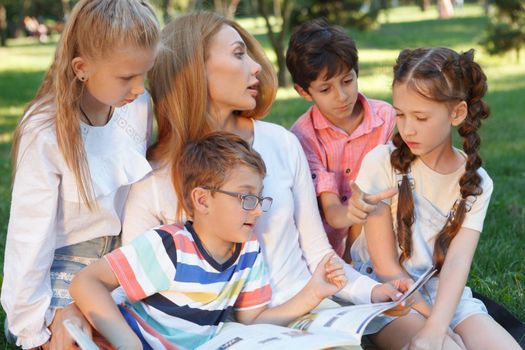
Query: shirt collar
365	127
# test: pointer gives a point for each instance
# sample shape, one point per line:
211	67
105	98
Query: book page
236	336
353	319
83	340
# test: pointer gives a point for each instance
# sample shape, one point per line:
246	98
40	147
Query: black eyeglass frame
242	197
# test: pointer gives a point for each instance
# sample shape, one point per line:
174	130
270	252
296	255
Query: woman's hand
60	337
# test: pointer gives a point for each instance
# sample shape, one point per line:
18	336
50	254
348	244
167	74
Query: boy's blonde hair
209	161
94	30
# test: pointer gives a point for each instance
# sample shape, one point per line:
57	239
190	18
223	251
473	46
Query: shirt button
313	176
348	171
344	198
369	270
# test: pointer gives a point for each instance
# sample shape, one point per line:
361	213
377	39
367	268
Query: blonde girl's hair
442	75
94	30
179	85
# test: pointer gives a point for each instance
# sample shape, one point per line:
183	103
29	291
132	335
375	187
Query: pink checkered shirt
335	157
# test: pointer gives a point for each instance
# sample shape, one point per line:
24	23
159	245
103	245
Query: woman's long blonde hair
179	85
94	30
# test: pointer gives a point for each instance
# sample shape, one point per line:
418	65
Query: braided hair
442	75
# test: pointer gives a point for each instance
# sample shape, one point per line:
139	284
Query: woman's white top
291	233
47	212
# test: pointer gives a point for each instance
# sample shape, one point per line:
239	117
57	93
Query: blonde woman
213	75
76	151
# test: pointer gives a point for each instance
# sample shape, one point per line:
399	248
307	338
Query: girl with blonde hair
79	146
211	74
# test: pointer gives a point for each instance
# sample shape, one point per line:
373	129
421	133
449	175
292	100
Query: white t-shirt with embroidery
47	212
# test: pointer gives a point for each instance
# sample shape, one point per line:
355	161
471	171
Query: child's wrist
312	293
436	325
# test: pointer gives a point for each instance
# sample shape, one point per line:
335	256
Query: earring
82	78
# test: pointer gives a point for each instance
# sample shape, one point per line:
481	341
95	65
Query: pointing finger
378	197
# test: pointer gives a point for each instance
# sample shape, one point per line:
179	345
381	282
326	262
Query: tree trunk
424	4
66	9
3	26
276	8
277	39
166	11
232	8
23	12
219	6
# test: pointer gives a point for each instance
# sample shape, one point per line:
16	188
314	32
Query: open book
336	327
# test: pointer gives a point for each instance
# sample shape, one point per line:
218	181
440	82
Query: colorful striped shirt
335	157
178	295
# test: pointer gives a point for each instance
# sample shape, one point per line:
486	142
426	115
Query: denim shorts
71	259
67	262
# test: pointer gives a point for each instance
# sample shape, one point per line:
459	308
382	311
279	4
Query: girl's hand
361	204
60	337
329	277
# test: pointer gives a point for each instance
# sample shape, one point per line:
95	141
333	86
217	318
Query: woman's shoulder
159	177
271	128
273	136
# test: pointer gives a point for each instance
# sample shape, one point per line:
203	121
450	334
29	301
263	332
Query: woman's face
231	74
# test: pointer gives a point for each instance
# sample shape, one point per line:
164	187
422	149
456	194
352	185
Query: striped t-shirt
179	296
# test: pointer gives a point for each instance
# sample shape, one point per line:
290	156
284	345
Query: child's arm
328	279
382	246
452	281
360	205
91	288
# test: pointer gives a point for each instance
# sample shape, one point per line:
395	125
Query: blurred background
29	31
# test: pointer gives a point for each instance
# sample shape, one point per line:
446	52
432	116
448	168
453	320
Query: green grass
498	269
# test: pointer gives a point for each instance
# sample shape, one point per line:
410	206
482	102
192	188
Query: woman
213	75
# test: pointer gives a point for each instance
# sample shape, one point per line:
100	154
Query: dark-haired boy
340	128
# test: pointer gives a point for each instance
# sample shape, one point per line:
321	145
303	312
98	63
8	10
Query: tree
226	8
355	13
277	36
506	31
3	25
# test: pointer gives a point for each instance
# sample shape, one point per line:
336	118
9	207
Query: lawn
498	269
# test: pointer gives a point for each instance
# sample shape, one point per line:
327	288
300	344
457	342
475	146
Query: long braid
475	83
442	75
401	158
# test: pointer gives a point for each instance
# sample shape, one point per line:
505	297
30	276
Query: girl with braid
437	216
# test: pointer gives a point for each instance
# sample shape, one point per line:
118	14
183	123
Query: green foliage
342	12
506	31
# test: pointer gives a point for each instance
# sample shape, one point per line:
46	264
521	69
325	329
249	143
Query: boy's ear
304	94
459	113
80	68
199	199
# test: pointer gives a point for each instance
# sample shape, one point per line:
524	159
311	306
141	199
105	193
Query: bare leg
397	334
482	332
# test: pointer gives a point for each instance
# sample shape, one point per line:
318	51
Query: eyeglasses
248	201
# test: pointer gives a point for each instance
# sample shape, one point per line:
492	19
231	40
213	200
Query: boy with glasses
183	282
